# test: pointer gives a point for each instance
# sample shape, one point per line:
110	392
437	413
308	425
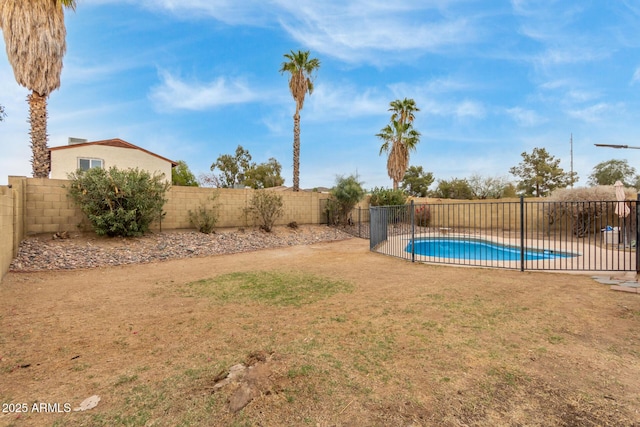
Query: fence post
637	234
413	233
521	233
359	223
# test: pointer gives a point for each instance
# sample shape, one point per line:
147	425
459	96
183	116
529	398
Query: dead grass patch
329	335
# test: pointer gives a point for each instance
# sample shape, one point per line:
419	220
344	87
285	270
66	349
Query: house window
86	164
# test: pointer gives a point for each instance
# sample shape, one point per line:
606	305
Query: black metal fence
525	234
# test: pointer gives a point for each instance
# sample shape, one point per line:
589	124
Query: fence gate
378	217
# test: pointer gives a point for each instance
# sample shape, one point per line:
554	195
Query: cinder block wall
48	209
6	229
232	204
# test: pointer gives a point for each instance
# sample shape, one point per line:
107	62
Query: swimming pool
478	249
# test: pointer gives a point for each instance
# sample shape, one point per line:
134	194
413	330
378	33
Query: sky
193	79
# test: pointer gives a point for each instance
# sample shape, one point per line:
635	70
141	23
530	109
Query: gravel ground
42	252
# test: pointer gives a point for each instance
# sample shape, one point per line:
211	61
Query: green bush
266	207
119	202
205	218
397	199
387	197
344	197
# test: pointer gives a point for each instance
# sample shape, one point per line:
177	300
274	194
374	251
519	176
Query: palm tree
300	82
399	138
35	38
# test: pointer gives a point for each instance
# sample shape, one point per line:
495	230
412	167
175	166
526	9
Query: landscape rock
38	253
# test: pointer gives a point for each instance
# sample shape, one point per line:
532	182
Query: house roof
115	142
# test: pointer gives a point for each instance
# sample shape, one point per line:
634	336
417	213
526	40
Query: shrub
266	207
119	202
387	197
205	218
584	207
344	197
395	198
422	215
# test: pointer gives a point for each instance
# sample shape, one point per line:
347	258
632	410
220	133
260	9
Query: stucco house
81	154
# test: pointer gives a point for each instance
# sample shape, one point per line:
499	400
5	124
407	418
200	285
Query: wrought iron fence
525	234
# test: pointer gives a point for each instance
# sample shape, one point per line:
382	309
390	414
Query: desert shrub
205	218
119	202
583	207
396	199
387	197
422	215
266	208
344	196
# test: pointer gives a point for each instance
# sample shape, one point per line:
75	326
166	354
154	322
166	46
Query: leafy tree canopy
232	167
454	189
490	187
540	173
2	113
264	175
607	173
416	181
238	170
181	175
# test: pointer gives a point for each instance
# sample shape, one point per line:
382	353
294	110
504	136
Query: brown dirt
412	344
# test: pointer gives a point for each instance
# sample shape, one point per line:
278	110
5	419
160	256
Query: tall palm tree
35	38
301	68
399	138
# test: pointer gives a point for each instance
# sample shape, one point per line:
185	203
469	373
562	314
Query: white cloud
176	94
636	76
471	109
525	117
356	32
593	113
330	102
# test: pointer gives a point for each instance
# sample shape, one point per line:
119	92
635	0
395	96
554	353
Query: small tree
232	168
181	175
540	173
416	181
2	113
266	207
455	188
119	202
488	187
264	175
345	195
607	173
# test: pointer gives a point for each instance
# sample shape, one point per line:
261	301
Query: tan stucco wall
65	161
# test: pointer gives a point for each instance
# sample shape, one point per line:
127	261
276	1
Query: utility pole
571	159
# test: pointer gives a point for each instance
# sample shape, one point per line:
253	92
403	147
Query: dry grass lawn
330	335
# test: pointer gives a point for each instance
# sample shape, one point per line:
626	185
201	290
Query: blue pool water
476	249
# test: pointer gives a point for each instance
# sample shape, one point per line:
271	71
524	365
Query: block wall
47	209
6	229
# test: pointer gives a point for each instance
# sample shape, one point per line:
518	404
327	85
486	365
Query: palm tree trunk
296	151
40	161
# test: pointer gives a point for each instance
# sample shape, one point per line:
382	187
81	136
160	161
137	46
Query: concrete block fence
31	206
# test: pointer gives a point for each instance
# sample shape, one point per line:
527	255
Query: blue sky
192	79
